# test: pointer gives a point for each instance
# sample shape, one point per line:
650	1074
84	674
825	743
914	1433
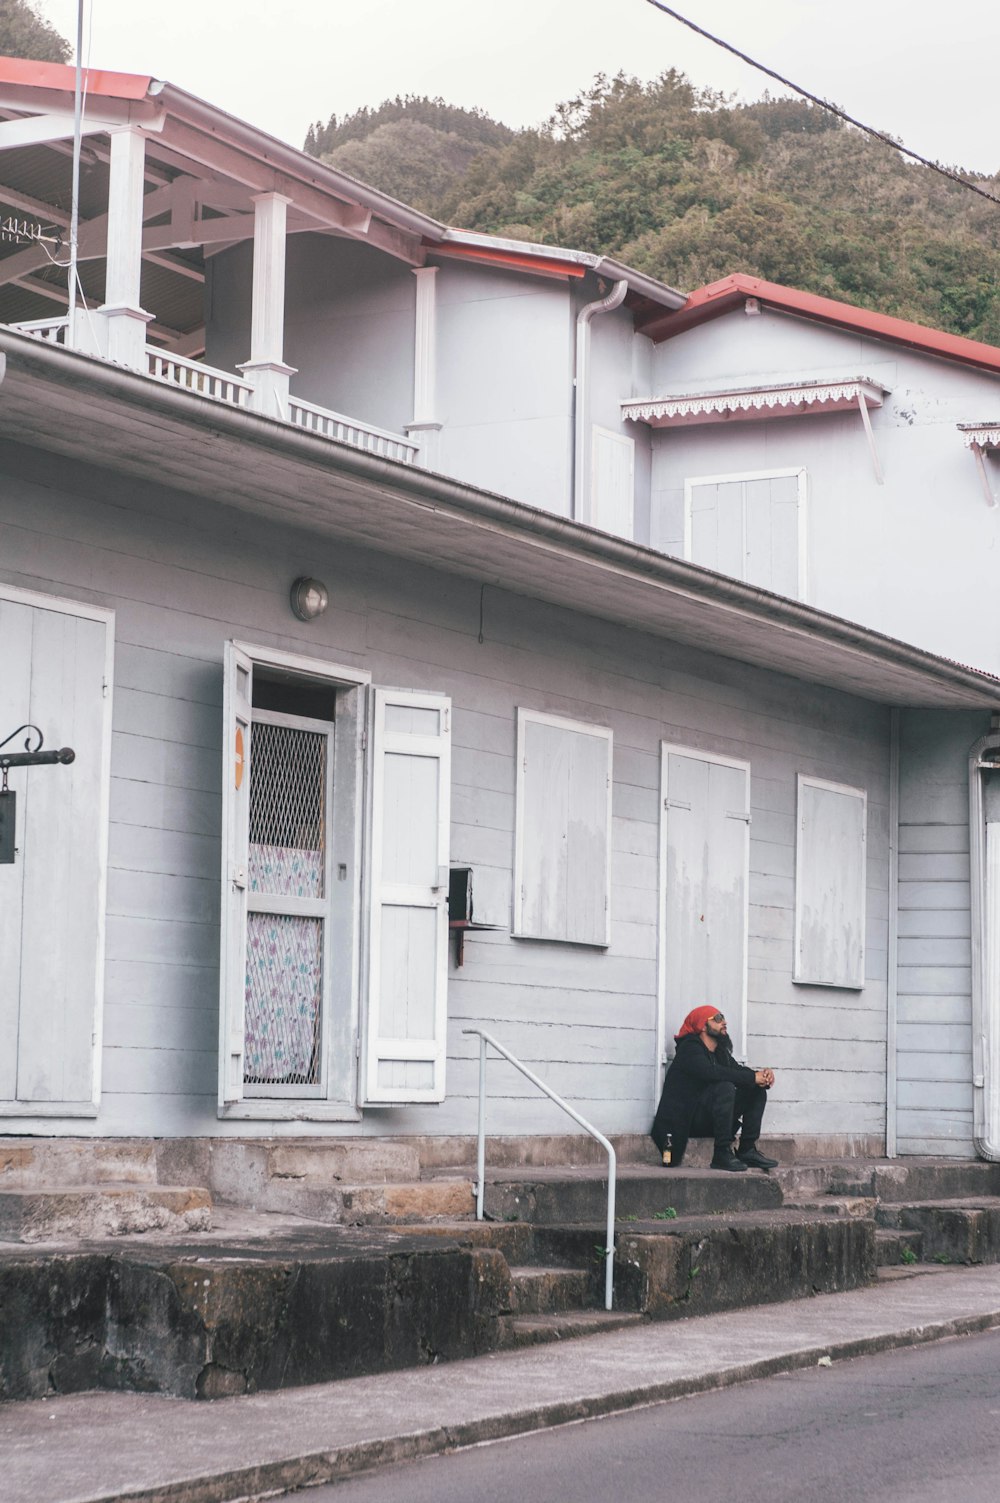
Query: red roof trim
62	77
721	297
517	261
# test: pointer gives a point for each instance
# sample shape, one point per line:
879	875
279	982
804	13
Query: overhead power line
825	104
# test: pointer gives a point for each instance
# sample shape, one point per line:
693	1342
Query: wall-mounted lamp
309	598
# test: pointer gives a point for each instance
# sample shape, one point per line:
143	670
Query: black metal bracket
32	756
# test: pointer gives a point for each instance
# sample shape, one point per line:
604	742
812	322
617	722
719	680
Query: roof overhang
749	403
732	293
98	414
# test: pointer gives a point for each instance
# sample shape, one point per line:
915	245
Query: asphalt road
915	1426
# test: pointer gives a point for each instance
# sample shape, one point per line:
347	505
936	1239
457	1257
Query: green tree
23	33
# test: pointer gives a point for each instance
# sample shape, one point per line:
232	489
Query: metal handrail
487	1038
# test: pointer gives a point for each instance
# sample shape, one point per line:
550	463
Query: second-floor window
751	526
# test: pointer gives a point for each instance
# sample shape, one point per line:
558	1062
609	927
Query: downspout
892	991
984	846
581	390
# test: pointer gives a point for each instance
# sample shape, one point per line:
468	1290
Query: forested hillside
689	187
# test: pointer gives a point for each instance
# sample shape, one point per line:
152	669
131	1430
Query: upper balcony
169	192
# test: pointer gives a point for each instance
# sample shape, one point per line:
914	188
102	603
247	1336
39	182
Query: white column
425	424
119	326
266	369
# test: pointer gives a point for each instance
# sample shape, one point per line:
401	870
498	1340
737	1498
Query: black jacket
692	1068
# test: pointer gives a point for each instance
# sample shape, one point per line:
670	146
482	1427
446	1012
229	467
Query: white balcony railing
220	386
52	330
192	375
349	431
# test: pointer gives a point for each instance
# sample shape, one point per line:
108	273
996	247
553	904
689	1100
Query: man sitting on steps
707	1095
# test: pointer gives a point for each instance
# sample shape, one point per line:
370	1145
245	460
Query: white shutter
772	534
56	674
612	486
705	865
236	700
407	1013
562	830
750	526
714	525
830	884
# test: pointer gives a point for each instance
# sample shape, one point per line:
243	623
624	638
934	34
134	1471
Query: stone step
891	1247
84	1212
540	1290
951	1231
371	1204
38	1163
532	1330
905	1180
557	1197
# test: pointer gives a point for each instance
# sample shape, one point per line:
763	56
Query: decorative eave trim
981	435
750	401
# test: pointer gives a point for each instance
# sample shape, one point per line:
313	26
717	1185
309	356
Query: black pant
723	1111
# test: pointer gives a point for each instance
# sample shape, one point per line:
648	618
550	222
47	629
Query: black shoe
752	1158
725	1158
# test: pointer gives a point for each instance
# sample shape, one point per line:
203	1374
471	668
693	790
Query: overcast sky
928	77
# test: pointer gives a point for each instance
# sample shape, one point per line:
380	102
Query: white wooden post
425	424
266	369
118	327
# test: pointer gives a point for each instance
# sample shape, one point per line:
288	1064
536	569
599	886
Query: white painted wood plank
943	1011
934	951
925	838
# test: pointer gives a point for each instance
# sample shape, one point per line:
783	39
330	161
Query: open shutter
56	674
408	898
236	700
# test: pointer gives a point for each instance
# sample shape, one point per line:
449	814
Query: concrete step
951	1231
85	1212
559	1196
532	1330
904	1180
892	1247
540	1290
370	1204
39	1163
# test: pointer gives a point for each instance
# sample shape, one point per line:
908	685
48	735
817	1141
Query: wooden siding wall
185	576
934	988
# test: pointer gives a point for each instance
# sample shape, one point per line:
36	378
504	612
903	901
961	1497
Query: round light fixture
309	598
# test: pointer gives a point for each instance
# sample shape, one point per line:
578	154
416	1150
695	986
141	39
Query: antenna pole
74	223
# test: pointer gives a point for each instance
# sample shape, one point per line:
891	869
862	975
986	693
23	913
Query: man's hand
764	1077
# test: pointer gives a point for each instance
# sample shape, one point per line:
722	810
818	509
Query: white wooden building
229	916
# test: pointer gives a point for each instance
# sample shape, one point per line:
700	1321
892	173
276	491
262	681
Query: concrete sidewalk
108	1446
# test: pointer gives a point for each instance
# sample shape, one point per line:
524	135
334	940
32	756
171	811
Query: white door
704	865
55	673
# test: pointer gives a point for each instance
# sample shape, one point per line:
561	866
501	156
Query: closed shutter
236	714
612	483
705	836
563	830
56	675
830	884
772	534
751	527
406	1021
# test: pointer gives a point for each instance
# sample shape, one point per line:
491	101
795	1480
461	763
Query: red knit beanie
696	1020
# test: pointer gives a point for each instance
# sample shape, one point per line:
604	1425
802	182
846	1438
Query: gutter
601	266
439	493
581	394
